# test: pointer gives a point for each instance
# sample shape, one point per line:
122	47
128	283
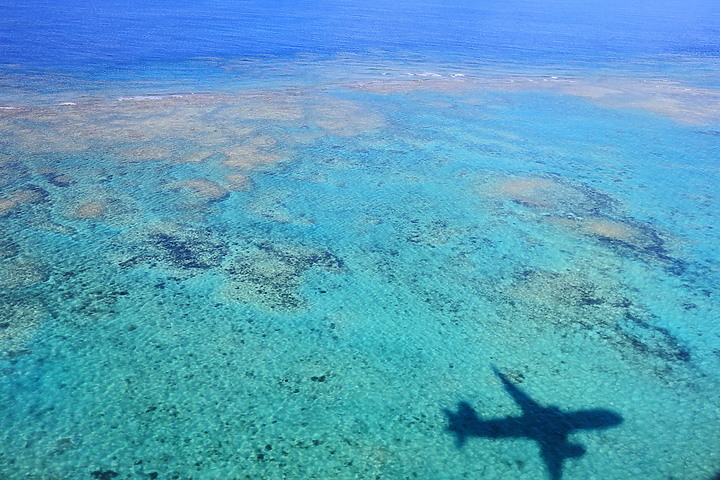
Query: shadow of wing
466	423
593	419
522	399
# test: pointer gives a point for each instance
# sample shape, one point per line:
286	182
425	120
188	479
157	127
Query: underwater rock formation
19	271
204	188
266	107
573	300
196	156
182	251
102	206
252	152
272	206
239	182
432	232
19	319
6	206
25	196
269	275
90	210
552	195
57	179
584	211
8	248
345	117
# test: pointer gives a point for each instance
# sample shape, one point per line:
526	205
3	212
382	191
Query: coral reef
345	117
101	205
239	182
182	251
19	271
582	210
203	188
583	302
269	275
27	195
252	152
553	195
19	319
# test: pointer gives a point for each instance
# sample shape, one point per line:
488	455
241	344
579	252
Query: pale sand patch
96	204
261	141
537	192
20	197
6	206
243	157
609	229
604	228
90	210
304	137
239	182
28	195
592	92
204	188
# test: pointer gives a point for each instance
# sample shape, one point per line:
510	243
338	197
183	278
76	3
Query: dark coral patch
575	300
8	248
270	274
186	252
652	340
104	474
59	179
584	210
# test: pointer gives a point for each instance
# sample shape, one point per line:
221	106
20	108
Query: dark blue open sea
336	239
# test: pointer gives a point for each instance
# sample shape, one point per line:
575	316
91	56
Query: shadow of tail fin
462	423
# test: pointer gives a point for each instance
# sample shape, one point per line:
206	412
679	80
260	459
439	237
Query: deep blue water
334	239
103	34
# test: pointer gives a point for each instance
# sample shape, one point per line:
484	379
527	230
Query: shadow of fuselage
548	426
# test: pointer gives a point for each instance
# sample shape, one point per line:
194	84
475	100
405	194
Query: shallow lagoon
304	282
308	266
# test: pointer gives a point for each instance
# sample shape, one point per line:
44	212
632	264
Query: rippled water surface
333	240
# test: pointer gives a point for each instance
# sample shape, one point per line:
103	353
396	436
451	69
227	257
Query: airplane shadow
548	426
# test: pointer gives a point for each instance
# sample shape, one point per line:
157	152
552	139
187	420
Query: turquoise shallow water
305	270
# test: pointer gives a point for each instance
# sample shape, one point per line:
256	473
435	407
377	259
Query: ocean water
345	240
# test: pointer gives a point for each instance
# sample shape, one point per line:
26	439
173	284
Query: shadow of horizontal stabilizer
548	426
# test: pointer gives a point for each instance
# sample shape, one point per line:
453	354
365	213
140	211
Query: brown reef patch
203	188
